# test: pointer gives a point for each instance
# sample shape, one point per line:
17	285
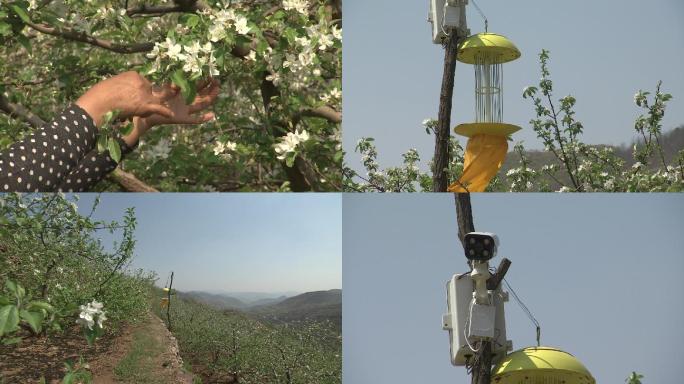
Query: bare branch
325	112
181	6
71	34
129	182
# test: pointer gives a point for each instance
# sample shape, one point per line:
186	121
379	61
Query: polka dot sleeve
40	161
93	167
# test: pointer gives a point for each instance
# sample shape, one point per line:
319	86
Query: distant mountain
224	301
252	297
267	301
310	306
213	300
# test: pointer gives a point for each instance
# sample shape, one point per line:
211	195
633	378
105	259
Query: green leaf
101	143
21	13
114	149
40	305
9	319
5	29
127	129
192	20
23	40
188	90
11	286
34	319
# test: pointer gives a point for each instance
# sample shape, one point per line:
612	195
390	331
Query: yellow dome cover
497	129
492	43
541	364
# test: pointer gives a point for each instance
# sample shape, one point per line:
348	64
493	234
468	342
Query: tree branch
71	34
20	112
181	6
129	182
325	112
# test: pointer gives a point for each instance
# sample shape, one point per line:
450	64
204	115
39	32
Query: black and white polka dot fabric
61	156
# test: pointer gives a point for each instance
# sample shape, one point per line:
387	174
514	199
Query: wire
483	15
526	310
467	325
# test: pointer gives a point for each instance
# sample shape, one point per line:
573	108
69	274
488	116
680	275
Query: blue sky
235	242
602	52
601	272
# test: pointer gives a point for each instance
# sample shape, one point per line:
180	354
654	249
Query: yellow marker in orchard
541	365
487	136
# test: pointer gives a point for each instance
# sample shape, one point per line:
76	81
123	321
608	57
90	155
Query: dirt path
145	353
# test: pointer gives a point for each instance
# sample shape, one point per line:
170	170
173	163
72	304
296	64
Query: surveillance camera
481	246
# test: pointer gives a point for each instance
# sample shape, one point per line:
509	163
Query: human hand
182	113
130	94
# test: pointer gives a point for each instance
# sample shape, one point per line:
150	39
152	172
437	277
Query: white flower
290	142
241	25
160	150
325	41
91	314
336	32
251	56
564	190
274	78
221	147
300	6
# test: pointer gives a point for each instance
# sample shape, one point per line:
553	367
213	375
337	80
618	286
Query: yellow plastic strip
483	158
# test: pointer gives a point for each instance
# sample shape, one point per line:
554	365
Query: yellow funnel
494	46
541	365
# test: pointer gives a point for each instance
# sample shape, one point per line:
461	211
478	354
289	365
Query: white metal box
459	297
445	15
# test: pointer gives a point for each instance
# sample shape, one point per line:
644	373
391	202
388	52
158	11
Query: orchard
278	116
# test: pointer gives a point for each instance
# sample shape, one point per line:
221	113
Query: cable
526	310
467	325
483	15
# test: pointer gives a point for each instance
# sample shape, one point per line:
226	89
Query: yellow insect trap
541	365
487	136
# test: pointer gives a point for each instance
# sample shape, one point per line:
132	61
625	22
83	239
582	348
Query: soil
34	358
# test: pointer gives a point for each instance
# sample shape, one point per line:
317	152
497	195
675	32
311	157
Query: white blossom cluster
290	142
91	314
220	148
301	66
333	96
193	57
300	6
224	19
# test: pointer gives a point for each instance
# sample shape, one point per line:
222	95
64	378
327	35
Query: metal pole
482	366
168	306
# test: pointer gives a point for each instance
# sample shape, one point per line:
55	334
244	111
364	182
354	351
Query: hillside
233	346
310	306
227	301
217	301
672	142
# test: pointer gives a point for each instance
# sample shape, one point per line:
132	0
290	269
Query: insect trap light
541	365
487	136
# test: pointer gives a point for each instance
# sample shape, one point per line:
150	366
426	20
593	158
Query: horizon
260	243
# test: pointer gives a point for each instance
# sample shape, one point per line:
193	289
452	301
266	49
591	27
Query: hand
129	93
182	113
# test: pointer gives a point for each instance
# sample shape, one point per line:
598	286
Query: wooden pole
168	305
440	161
482	364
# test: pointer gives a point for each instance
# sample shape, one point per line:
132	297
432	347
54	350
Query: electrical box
487	321
444	16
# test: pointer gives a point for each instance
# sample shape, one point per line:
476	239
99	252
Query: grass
138	366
